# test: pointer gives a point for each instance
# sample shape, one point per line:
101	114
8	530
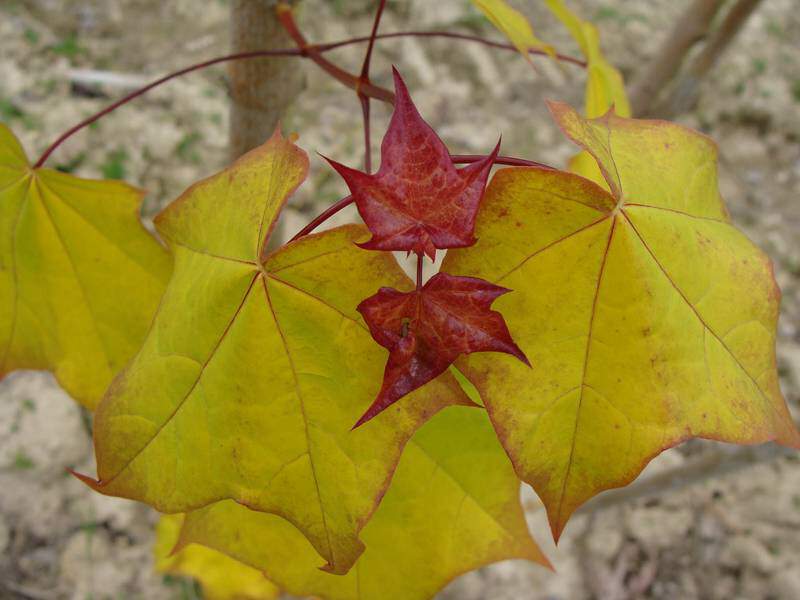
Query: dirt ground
729	536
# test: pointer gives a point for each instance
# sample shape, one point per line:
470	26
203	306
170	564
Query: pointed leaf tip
637	344
80	276
85	479
418	201
422	535
287	327
426	330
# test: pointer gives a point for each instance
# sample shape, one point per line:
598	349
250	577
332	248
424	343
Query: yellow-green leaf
514	26
453	506
647	316
256	367
221	577
604	85
605	88
80	277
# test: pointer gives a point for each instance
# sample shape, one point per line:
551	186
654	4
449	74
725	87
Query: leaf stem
419	271
367	143
364	78
323	216
284	12
368	55
143	90
304	52
500	160
447	34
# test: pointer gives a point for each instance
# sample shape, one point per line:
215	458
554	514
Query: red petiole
419	271
308	51
457	158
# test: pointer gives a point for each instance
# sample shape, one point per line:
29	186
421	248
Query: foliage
222	577
514	26
80	277
427	329
417	201
642	347
237	326
647	318
453	506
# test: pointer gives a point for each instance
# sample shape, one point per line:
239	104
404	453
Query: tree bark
261	89
691	27
687	88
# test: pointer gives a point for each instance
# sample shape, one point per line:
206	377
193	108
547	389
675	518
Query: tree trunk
687	87
692	27
261	89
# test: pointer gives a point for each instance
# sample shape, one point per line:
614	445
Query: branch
446	34
690	28
364	78
305	52
368	55
323	216
500	160
313	52
156	83
686	88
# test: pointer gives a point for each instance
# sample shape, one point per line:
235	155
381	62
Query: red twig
284	12
500	160
419	271
364	78
367	142
445	34
156	83
306	52
323	216
368	55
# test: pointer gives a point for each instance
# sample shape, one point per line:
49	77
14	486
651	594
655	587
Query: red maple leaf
417	201
427	329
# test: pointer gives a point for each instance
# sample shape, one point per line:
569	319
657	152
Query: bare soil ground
731	536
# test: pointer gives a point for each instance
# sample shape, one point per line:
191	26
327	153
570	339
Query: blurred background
703	521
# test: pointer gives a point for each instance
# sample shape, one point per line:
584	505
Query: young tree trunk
261	89
687	87
689	29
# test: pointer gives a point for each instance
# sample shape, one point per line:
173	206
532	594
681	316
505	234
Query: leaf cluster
603	314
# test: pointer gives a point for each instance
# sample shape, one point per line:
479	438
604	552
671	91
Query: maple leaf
417	201
514	26
255	367
650	317
604	83
80	277
221	577
605	87
427	329
453	506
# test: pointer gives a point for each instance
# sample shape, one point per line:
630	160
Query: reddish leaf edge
423	234
504	343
